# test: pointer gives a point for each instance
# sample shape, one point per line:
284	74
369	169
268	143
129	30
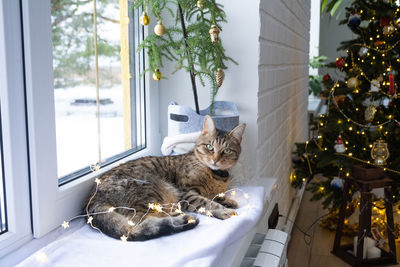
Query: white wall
283	88
270	40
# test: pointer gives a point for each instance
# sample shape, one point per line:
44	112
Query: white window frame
52	204
14	134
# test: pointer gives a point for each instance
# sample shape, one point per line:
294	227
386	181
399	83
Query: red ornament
391	84
340	63
339	147
385	21
377	43
326	77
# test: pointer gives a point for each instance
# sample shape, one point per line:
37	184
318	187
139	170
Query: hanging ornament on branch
391	84
326	77
375	85
385	21
214	34
339	147
159	29
363	52
157	75
200	4
144	19
337	183
354	20
380	152
389	29
370	111
353	82
219	77
340	63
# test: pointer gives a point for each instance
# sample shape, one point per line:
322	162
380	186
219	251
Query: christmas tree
361	125
192	42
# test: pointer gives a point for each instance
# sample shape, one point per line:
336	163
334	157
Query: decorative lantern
214	34
380	152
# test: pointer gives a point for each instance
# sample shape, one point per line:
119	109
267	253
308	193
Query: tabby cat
193	179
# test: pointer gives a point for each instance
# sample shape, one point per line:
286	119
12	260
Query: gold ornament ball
353	82
157	75
369	114
214	34
219	77
200	4
388	29
144	19
159	29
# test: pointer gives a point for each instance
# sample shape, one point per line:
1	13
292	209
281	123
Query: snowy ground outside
76	126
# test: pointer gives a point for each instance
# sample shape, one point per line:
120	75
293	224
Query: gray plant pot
183	119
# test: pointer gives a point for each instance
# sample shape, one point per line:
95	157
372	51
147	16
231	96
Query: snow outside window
84	89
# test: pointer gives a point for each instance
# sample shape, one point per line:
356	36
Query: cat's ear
208	126
238	131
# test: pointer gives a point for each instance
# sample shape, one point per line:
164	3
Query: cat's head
216	149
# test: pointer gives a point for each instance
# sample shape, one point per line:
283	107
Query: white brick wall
282	95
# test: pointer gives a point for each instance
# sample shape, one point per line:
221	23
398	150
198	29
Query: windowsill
208	250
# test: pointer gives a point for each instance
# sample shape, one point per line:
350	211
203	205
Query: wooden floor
317	253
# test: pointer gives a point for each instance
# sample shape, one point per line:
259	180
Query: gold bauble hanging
144	19
370	113
159	29
389	29
214	34
219	77
157	75
200	4
353	82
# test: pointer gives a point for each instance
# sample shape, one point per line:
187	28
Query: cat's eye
227	151
210	147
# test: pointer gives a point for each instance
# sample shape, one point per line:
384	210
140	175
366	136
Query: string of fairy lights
168	209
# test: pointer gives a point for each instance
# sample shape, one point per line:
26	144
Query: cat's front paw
229	203
224	214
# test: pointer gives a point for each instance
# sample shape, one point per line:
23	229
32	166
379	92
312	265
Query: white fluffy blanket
199	247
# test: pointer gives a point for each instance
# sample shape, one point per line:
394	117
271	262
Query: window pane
120	94
3	214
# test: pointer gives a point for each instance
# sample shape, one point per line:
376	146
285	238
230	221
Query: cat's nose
215	160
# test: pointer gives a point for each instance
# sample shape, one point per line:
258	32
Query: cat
192	179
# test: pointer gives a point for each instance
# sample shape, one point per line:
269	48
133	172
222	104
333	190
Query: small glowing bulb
233	193
97	181
347	174
41	257
157	208
234	214
65	224
350	154
90	220
246	196
350	128
346	142
124	238
151	206
322	188
131	223
339	121
221	195
191	220
325	148
111	209
304	179
370	145
202	210
322	124
208	213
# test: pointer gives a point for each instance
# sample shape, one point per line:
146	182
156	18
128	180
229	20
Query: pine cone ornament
219	77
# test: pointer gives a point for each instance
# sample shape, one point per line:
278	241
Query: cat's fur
193	178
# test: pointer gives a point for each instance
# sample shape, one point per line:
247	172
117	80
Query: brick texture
283	88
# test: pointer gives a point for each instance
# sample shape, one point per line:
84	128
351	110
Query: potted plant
193	43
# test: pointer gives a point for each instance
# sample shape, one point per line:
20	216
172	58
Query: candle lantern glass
380	152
